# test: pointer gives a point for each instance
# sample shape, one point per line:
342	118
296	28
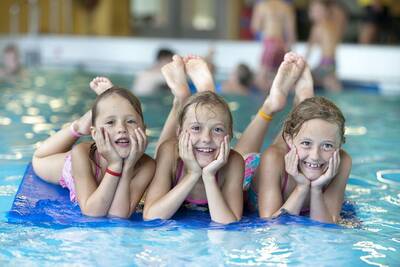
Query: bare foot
82	125
199	73
174	75
100	84
304	87
288	73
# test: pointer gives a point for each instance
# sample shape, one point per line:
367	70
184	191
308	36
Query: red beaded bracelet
116	174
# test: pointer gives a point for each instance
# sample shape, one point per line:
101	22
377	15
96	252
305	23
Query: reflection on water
5	121
34	108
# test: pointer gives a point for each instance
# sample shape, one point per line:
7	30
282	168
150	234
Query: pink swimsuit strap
178	176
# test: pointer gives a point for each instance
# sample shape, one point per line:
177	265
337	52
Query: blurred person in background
376	18
11	62
240	81
324	33
275	20
339	14
150	81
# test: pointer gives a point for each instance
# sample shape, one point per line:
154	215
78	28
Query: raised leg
288	73
175	76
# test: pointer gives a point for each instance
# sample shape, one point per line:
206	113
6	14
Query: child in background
151	81
327	35
240	81
106	177
11	62
376	20
305	168
195	165
275	20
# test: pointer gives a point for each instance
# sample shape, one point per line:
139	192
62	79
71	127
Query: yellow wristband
265	116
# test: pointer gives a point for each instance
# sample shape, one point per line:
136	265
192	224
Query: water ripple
8	190
374	252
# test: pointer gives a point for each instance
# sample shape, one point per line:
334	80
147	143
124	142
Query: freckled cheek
218	139
194	137
132	127
107	129
326	155
301	153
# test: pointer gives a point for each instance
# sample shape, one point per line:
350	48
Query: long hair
313	108
211	99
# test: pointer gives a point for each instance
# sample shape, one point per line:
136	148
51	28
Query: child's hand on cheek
292	167
330	173
186	153
138	140
105	147
211	169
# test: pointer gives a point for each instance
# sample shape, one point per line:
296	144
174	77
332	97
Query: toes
176	58
185	59
290	56
300	62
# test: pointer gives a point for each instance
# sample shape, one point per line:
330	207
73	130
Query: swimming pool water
43	100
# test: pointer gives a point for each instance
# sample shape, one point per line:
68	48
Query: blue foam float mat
38	203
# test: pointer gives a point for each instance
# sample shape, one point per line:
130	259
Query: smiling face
207	126
316	142
119	119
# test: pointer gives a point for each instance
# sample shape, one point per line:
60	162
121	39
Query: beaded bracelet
113	173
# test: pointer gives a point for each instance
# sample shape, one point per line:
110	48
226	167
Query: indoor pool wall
42	101
372	64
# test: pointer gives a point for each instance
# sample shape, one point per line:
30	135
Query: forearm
318	209
99	202
169	129
295	201
166	206
220	212
120	206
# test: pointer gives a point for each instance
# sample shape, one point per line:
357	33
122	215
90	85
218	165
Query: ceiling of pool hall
210	19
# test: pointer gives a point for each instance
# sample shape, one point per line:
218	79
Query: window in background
179	18
200	15
151	17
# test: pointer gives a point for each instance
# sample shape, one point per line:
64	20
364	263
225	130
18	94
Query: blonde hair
313	108
122	92
203	99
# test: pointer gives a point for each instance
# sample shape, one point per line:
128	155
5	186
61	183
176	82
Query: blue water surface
39	103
